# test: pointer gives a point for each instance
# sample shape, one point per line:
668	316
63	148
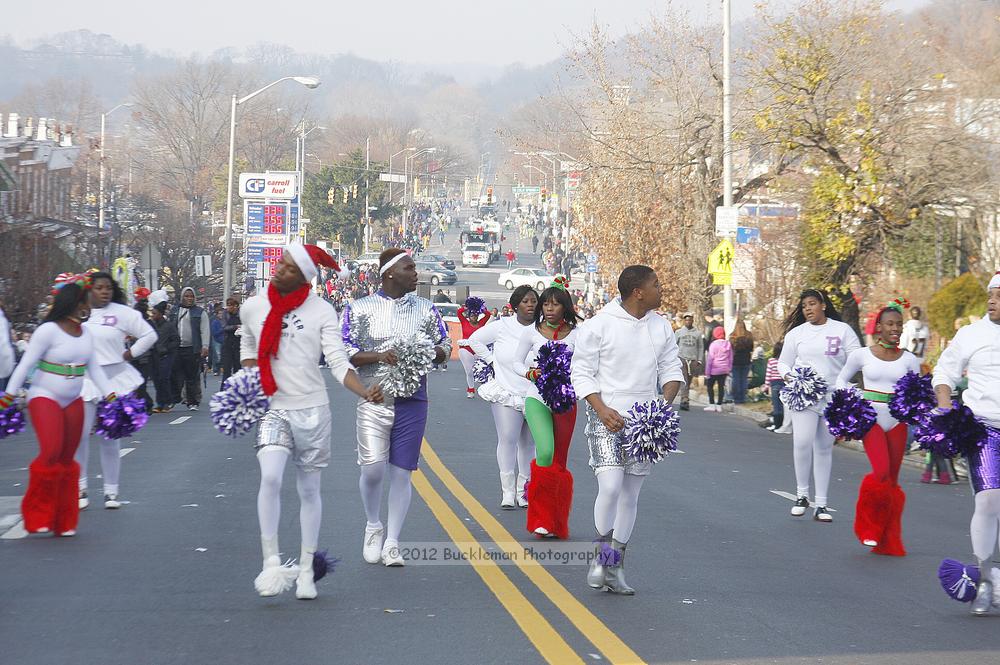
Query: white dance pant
812	449
985	525
400	492
272	461
617	502
515	447
468	359
111	457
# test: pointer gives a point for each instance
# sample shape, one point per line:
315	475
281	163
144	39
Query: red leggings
563	425
885	451
58	429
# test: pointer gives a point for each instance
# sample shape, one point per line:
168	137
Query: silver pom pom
414	359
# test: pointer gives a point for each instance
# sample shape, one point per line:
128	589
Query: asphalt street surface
723	573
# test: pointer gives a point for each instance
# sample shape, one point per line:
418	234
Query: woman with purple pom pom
626	354
473	315
285	330
60	354
111	322
816	338
877	521
543	356
975	352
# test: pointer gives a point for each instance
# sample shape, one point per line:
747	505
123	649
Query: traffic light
331	195
345	196
545	194
489	196
354	192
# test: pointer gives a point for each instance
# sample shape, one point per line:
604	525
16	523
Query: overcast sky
429	32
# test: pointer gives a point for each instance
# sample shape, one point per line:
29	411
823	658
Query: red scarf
270	335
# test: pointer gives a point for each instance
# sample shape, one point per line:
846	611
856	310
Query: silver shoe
614	578
984	597
597	572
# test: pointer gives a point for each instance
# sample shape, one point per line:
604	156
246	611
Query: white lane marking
178	421
15	532
10	518
793	498
124	451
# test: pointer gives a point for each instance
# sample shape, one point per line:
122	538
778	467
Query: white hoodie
975	351
624	359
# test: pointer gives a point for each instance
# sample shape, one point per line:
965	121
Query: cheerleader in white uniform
814	337
506	393
110	322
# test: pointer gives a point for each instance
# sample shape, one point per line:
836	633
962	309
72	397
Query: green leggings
539	419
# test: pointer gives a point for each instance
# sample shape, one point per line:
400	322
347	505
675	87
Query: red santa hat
308	257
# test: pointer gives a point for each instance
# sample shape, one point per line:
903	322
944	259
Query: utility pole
368	161
729	312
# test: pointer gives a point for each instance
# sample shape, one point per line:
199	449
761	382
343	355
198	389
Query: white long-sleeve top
879	376
309	330
975	351
111	324
526	354
624	359
6	348
52	344
504	334
824	348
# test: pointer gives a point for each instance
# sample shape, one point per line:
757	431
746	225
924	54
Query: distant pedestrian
773	383
511	257
534	244
718	365
742	342
692	356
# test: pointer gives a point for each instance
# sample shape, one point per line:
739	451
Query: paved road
723	574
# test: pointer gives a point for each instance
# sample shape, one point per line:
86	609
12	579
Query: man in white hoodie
625	354
975	352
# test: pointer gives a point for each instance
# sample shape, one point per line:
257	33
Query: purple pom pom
957	431
608	556
554	386
12	421
913	397
121	418
849	415
240	404
482	371
651	430
958	580
474	304
323	564
805	388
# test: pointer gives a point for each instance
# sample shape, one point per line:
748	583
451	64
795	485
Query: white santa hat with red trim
308	257
994	282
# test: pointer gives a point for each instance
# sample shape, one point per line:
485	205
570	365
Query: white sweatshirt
309	330
975	351
110	325
504	334
824	348
526	354
624	359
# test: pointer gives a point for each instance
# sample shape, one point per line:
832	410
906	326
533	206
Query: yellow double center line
549	643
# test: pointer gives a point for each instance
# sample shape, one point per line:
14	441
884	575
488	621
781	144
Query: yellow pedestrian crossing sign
720	262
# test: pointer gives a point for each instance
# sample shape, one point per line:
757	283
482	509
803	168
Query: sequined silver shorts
606	449
304	433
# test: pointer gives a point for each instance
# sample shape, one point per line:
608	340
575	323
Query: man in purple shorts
390	434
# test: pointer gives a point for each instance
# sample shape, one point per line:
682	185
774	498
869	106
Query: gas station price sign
265	218
263	254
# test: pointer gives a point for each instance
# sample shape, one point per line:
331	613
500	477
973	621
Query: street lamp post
413	192
227	269
100	194
729	311
302	162
390	172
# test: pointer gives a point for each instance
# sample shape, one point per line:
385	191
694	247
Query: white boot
522	498
274	578
507	489
305	585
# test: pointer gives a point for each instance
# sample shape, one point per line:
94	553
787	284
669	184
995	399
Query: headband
560	282
391	262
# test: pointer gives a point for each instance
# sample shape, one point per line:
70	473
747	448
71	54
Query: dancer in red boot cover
880	500
473	316
624	355
285	330
975	352
61	352
110	322
550	492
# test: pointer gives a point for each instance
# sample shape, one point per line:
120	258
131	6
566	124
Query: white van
475	254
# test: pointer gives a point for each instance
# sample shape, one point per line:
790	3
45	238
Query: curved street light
310	82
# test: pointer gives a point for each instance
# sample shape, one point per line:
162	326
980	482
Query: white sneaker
84	501
111	502
305	585
542	531
710	407
68	534
799	509
372	546
391	555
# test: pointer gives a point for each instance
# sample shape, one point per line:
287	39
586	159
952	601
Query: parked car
475	254
534	277
448	311
437	258
434	274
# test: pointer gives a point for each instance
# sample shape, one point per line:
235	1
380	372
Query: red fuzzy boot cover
38	507
872	513
541	497
563	502
68	505
891	543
